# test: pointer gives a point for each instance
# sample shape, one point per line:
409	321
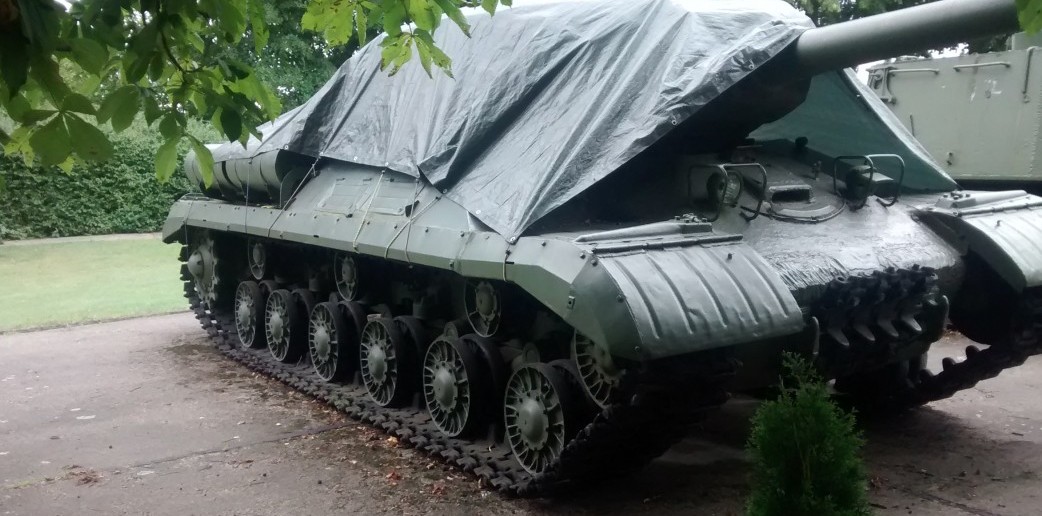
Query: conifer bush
805	451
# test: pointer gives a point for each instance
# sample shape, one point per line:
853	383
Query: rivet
729	256
998	223
426	230
582	255
620	298
543	243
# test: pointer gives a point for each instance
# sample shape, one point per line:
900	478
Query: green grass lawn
50	284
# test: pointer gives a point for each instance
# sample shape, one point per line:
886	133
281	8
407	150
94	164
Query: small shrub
805	451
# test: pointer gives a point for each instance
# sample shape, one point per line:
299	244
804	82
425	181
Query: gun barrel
913	29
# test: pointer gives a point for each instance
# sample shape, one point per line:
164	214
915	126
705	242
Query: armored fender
1003	228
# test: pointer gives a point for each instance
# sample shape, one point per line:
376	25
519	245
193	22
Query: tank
977	114
544	270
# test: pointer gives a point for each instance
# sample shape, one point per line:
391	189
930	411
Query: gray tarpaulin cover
547	99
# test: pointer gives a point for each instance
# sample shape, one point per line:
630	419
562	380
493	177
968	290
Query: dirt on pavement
143	416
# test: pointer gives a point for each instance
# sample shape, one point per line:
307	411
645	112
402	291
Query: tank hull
653	291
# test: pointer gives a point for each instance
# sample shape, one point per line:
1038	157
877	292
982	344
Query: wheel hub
244	314
532	421
346	276
487	304
195	265
322	342
347	272
378	363
258	253
485	313
277	326
258	261
445	387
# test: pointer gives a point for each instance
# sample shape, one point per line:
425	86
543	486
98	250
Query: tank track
982	364
979	365
618	440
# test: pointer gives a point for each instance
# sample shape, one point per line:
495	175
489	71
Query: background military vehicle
977	114
544	270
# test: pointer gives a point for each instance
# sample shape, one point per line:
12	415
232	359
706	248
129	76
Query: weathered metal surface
702	297
979	115
900	32
1003	228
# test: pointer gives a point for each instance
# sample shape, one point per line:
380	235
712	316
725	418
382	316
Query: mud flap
700	297
1003	228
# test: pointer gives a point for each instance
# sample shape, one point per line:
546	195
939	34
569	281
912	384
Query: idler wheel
384	356
330	342
542	412
210	275
285	327
597	371
453	386
249	314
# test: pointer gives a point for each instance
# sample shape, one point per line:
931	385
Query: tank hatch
786	195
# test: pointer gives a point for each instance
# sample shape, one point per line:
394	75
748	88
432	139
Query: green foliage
805	451
116	196
173	60
408	23
127	58
827	12
1030	14
295	62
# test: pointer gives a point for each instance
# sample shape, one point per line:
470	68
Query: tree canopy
68	68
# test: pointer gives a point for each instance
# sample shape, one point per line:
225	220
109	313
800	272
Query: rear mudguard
1003	228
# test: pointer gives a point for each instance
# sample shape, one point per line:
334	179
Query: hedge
121	195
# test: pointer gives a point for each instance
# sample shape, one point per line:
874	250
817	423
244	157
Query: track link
618	440
980	364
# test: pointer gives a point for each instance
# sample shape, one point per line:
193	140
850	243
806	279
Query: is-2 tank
545	269
977	114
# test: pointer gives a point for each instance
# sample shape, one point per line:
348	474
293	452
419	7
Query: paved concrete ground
142	417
